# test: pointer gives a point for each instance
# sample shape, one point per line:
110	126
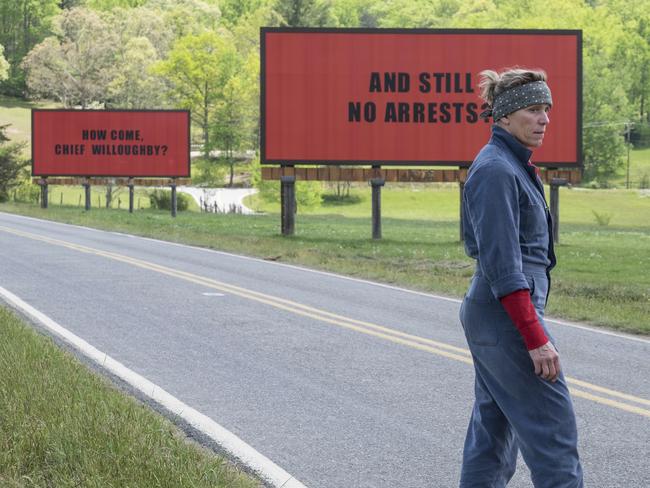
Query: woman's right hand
547	362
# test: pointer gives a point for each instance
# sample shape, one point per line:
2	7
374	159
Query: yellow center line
386	333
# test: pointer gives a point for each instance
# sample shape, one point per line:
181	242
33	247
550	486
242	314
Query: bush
27	192
602	218
162	200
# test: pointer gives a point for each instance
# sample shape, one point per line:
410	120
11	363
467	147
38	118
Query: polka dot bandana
522	96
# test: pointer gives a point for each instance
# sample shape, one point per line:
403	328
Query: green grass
63	426
602	276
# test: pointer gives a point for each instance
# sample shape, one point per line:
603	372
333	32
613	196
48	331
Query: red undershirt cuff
520	309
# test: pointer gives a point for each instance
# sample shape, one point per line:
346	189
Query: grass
63	426
602	277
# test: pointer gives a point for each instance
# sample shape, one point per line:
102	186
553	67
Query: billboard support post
461	185
376	184
44	196
556	183
174	203
288	204
131	195
87	194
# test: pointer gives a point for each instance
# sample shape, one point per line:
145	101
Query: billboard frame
189	145
577	33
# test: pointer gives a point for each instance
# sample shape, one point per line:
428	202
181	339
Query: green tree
197	69
77	65
11	163
4	65
235	127
23	24
135	85
304	13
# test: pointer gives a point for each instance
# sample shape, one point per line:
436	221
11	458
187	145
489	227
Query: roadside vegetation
64	426
602	276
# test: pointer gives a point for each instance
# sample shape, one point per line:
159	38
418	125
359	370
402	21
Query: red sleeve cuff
521	311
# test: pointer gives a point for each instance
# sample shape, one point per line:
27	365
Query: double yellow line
594	393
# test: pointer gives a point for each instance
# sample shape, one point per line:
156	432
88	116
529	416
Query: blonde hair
491	83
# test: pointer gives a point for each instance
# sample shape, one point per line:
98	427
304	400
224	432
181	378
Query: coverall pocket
483	322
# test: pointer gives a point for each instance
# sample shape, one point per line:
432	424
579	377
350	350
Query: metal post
556	183
44	196
376	184
174	206
461	185
131	195
288	204
87	191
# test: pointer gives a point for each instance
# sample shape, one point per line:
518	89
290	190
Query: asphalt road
341	382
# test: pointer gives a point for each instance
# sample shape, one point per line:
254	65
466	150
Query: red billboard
124	143
406	96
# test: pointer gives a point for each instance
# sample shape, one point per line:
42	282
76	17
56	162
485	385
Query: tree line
204	55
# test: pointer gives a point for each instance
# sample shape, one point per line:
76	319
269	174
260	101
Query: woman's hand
547	362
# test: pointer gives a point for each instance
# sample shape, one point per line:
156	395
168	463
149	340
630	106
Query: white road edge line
334	275
260	464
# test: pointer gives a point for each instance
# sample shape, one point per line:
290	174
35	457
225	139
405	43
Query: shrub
602	218
162	200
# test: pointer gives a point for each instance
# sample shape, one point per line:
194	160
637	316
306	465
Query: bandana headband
521	96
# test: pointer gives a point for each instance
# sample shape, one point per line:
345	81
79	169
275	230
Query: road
341	382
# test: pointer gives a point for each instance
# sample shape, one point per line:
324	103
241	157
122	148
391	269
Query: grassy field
63	426
602	276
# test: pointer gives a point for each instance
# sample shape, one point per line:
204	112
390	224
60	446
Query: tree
4	65
23	24
11	163
235	127
77	65
198	68
304	13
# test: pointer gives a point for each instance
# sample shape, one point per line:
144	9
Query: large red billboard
111	143
404	96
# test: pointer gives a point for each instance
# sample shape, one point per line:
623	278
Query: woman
522	401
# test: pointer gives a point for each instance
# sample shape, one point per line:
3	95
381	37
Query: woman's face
528	124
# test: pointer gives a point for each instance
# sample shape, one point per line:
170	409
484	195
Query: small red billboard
406	96
109	143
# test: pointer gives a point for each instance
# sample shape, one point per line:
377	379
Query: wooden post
44	195
87	192
288	204
556	183
461	185
131	195
174	206
376	184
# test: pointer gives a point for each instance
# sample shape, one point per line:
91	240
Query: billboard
406	96
111	143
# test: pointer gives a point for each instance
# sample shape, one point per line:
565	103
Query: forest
203	55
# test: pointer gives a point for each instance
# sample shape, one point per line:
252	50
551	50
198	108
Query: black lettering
459	111
404	110
369	111
403	82
375	82
438	77
485	106
391	113
354	111
425	85
445	115
447	82
418	112
390	82
432	112
96	149
457	87
468	83
84	135
472	116
57	149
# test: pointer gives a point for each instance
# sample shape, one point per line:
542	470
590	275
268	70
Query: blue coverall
507	229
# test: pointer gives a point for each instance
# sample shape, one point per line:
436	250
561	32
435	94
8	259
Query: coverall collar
503	137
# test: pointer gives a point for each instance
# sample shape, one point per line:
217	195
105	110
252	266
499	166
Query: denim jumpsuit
507	229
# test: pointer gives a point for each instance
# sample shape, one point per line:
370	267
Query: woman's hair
492	83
